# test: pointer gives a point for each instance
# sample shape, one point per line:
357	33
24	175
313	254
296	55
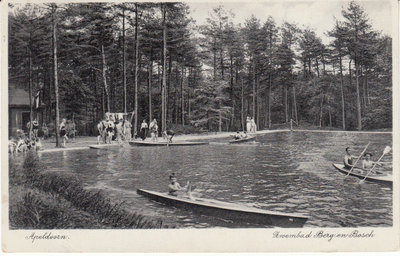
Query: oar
385	151
362	153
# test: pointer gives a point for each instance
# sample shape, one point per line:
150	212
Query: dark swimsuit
347	166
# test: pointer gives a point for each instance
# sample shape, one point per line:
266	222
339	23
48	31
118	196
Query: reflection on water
288	172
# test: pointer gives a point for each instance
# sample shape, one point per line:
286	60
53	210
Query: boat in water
105	146
242	140
164	143
377	176
229	211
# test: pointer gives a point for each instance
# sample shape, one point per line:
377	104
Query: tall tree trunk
124	61
232	123
176	95
183	92
366	88
295	104
56	78
257	104
359	126
242	106
164	12
30	94
105	77
342	92
254	88
135	127
320	113
215	60
150	89
285	93
269	102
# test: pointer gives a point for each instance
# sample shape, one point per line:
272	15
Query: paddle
362	153
385	151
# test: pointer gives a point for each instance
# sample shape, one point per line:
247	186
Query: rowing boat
377	176
248	138
164	143
102	146
229	211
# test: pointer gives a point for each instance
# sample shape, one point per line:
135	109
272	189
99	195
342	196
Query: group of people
114	126
23	142
168	134
349	160
251	125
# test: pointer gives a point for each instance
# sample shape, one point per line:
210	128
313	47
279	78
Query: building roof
17	96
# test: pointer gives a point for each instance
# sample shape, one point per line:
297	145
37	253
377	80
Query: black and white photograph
185	117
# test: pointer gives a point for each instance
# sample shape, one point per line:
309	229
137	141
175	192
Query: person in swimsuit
237	136
348	159
35	128
367	163
154	130
109	131
63	131
174	188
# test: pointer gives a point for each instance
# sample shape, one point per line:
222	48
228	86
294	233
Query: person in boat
367	163
143	130
237	136
348	159
63	131
243	135
153	127
174	188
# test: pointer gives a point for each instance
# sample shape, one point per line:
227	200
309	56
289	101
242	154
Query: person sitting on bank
174	187
348	159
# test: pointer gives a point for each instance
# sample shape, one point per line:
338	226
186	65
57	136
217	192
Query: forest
152	59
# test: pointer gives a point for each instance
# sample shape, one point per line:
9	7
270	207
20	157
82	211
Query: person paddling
174	187
367	163
348	159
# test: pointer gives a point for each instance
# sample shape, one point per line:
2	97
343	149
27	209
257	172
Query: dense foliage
153	58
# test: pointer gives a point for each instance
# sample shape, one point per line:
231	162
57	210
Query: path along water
286	171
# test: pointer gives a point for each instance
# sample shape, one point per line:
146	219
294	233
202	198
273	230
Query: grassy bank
44	200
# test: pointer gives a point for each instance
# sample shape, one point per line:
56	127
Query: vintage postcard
200	126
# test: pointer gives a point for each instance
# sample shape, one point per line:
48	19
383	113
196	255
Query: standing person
154	130
128	130
253	125
118	131
109	131
143	130
63	131
248	124
35	128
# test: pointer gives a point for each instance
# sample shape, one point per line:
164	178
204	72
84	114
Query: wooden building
19	110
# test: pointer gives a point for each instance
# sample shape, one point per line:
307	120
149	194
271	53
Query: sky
319	15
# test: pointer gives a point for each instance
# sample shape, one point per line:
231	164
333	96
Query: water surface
287	172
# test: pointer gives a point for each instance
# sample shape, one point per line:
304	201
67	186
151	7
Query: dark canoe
249	138
360	173
105	146
164	143
229	211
